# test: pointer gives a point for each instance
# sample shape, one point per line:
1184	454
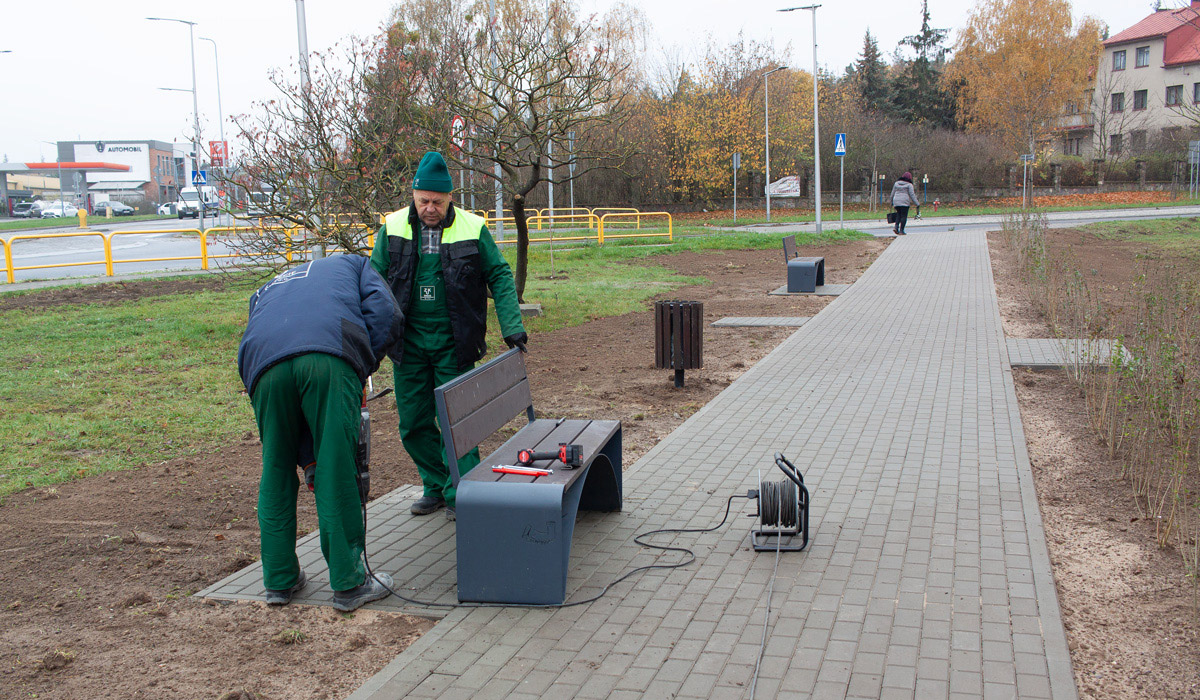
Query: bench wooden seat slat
478	388
476	426
513	532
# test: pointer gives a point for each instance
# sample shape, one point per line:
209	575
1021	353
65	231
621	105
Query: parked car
22	210
118	208
55	210
166	209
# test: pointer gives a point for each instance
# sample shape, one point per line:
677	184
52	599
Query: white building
1147	90
156	169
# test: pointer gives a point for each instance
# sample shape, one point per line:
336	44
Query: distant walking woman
904	195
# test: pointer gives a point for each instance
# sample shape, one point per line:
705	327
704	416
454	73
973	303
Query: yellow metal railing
11	269
202	257
601	211
618	216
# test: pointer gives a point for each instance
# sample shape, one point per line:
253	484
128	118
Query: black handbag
891	217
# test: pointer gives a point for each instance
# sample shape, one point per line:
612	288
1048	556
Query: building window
1196	93
1139	99
1174	95
1118	102
1072	145
1118	60
1142	59
1114	144
1137	140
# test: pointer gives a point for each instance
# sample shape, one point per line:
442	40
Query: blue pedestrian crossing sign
199	177
839	145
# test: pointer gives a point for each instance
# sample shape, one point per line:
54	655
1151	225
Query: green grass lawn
96	388
71	221
1181	235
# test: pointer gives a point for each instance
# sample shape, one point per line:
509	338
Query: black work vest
462	274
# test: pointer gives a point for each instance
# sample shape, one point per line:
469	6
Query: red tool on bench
570	455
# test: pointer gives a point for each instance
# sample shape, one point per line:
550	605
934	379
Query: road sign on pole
839	150
218	152
199	177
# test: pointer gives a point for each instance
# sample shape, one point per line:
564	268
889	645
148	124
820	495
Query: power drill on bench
570	455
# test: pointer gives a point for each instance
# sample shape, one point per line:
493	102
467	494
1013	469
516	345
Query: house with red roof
1146	96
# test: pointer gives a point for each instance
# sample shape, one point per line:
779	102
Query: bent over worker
314	335
440	263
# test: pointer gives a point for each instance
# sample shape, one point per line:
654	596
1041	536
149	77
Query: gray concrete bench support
513	532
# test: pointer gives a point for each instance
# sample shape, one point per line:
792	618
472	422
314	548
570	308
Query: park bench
514	531
804	274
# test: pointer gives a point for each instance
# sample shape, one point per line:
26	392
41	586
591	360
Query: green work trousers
325	393
428	361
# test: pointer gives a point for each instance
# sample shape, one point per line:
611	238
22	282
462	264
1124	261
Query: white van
190	199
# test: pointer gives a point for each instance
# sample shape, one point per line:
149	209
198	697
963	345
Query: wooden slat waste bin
678	336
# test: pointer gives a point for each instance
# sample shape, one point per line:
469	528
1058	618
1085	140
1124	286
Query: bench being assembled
803	274
514	531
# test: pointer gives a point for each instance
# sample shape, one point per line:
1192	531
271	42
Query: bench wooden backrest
789	248
477	403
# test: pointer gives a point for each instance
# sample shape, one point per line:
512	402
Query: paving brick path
1056	353
927	575
759	321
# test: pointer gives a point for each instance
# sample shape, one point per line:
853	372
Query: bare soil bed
1128	607
95	592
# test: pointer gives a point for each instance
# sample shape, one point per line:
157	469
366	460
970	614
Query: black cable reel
782	511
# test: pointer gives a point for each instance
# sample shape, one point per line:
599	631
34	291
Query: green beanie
432	174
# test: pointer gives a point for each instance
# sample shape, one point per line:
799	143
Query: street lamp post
220	111
195	102
816	124
220	114
767	124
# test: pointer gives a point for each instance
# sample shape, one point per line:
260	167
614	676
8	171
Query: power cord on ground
691	557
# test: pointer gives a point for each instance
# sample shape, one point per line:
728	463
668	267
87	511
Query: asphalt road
82	257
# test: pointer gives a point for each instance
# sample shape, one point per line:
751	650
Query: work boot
426	505
372	589
285	596
450	514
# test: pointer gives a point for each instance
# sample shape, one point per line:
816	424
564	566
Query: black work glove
516	340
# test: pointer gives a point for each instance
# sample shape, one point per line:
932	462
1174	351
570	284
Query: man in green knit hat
440	262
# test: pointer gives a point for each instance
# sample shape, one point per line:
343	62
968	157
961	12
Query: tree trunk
522	270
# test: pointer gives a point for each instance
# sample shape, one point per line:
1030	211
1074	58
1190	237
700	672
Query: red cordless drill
570	455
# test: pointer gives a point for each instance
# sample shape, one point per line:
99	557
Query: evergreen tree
871	75
917	95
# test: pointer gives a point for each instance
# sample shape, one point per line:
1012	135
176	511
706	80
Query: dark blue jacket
338	305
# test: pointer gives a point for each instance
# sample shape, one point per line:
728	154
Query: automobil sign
102	147
135	155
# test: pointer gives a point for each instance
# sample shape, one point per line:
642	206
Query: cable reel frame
782	511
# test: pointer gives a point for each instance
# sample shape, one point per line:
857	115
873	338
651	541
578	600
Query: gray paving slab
927	574
822	290
760	321
1056	353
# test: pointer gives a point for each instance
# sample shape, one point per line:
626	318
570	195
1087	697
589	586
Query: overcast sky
84	69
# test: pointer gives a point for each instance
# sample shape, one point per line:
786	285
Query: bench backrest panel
789	248
479	402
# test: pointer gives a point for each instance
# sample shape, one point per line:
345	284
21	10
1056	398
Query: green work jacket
471	264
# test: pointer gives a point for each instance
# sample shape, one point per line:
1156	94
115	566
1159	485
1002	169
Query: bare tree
1109	120
328	159
540	87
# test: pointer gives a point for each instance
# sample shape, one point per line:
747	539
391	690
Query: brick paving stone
897	404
